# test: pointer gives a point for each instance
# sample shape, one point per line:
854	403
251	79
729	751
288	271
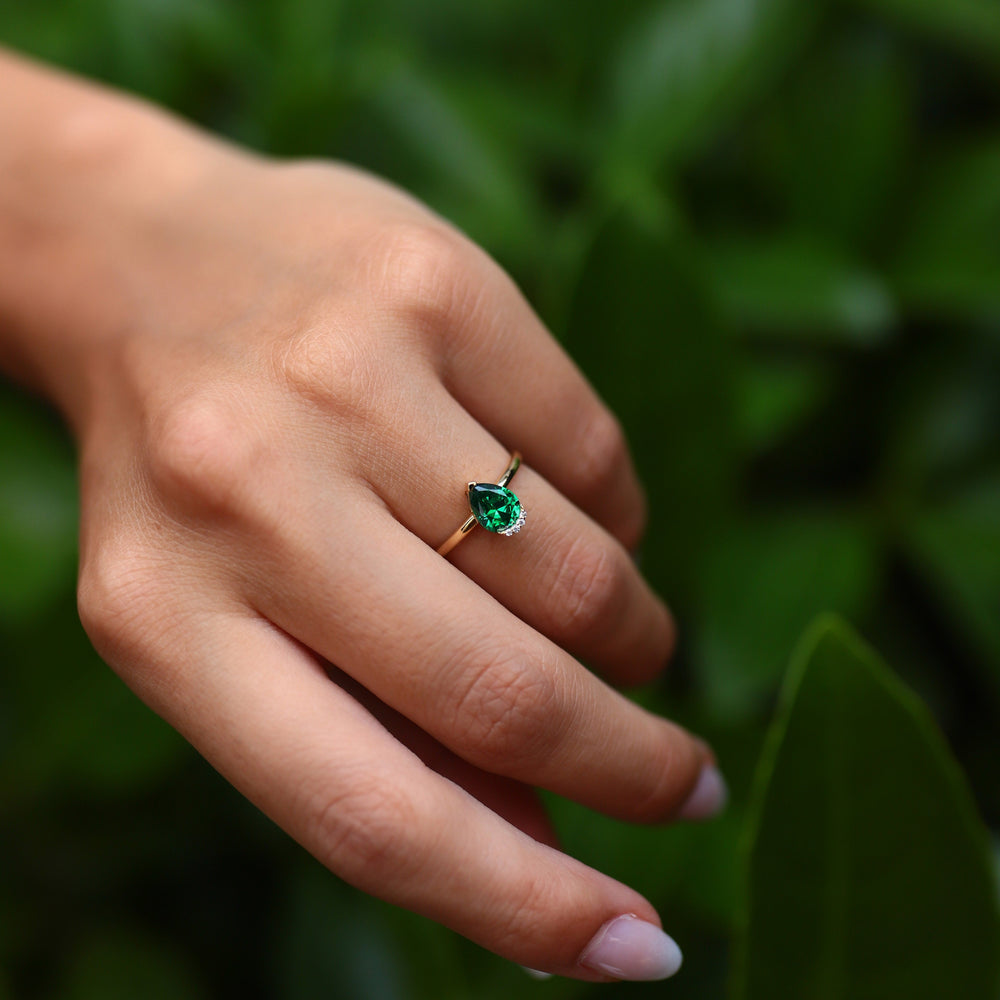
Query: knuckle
420	272
588	592
526	918
200	457
114	585
333	371
670	782
602	452
367	834
506	712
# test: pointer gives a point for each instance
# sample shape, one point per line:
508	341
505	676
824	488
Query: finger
266	716
372	598
563	573
505	368
515	801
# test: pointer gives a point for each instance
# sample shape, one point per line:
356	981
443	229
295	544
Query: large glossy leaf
687	65
869	873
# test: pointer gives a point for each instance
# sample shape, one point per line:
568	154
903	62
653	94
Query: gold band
470	522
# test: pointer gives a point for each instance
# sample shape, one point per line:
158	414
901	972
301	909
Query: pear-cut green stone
494	507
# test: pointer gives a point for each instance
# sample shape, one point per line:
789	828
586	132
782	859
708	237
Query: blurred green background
769	231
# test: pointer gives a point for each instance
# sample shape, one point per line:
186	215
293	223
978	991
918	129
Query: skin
280	377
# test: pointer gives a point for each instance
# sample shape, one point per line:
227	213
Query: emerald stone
496	508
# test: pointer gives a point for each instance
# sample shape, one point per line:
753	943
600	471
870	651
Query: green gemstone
495	507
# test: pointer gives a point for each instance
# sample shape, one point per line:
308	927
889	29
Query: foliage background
769	231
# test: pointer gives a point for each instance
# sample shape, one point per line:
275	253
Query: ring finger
563	574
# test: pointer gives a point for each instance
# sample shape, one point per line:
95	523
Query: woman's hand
282	378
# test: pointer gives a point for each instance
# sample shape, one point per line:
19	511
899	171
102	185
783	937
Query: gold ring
493	506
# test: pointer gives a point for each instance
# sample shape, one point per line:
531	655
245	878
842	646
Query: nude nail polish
708	798
536	974
629	948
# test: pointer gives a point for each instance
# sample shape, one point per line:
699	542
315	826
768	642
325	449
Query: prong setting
517	525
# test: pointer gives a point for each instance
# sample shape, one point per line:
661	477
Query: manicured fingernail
629	948
535	974
708	798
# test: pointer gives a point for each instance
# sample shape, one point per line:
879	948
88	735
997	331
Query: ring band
493	506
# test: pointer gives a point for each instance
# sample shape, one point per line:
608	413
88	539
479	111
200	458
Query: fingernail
709	796
535	974
629	948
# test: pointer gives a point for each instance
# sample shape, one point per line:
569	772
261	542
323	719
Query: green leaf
834	144
73	723
869	872
944	415
955	545
798	288
643	329
333	941
686	67
762	582
949	258
971	25
776	395
459	167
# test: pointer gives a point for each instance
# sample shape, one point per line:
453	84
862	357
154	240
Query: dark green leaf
798	288
956	546
335	941
763	581
833	147
776	395
73	723
972	25
945	415
870	874
643	329
468	175
949	258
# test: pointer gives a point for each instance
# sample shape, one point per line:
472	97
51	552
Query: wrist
87	172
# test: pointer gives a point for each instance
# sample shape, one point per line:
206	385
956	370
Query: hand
288	375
